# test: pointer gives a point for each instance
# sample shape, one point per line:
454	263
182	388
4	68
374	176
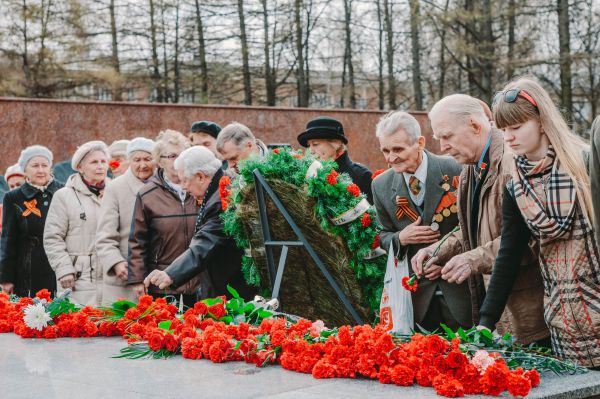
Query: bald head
460	123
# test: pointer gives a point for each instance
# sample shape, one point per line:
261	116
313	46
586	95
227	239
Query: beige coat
70	238
114	224
524	314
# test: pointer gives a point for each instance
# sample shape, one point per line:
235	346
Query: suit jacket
386	188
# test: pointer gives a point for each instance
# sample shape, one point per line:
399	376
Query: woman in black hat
325	139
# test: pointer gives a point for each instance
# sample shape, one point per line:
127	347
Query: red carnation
276	151
156	341
518	385
217	310
376	242
43	294
332	177
403	375
353	189
224	192
533	376
366	220
377	173
170	343
409	284
114	164
201	308
449	388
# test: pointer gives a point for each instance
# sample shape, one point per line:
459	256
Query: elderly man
464	131
200	172
415	206
236	143
114	222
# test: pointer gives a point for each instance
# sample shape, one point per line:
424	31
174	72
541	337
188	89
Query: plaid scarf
552	216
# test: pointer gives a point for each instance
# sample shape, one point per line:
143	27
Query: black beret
207	127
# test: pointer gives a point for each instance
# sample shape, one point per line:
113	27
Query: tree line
398	53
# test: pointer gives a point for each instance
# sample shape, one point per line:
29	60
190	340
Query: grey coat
386	188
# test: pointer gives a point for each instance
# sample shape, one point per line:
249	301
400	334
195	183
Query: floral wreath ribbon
31	208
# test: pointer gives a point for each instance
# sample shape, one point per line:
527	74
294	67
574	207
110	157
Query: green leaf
461	333
233	292
248	308
226	319
165	325
486	333
123	305
448	331
264	314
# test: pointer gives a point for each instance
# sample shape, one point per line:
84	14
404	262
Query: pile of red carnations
154	328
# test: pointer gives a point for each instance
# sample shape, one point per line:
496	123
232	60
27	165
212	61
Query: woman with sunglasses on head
548	201
164	219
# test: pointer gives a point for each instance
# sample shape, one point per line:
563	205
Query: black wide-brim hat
207	127
322	127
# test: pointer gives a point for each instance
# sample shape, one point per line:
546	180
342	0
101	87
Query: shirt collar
421	172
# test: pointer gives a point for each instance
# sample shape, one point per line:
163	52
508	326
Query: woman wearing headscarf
24	267
70	232
115	217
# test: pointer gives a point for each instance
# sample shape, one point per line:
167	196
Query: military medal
446	185
434	226
453	208
438	218
446	212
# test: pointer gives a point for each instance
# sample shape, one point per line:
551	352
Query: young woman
549	201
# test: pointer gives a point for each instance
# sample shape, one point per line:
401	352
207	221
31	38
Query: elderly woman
14	176
200	172
114	221
24	267
119	162
163	224
70	232
325	139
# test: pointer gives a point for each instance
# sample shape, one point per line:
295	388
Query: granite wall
63	125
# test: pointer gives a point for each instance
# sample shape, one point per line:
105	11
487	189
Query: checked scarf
552	216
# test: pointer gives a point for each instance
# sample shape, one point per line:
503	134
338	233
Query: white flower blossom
36	317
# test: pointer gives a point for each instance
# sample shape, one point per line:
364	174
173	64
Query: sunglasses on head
511	95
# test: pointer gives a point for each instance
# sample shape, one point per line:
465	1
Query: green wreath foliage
360	236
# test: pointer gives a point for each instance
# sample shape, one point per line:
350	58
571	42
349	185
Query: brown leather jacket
524	315
162	228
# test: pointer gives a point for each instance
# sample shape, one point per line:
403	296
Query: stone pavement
83	368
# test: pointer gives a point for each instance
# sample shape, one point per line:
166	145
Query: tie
414	185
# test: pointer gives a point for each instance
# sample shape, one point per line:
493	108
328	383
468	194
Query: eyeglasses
170	156
511	95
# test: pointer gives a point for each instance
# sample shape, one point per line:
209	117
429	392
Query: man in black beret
325	139
205	133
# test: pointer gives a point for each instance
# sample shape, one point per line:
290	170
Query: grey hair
168	137
399	120
461	106
236	132
197	160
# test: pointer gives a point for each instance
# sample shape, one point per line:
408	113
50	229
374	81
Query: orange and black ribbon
404	209
31	207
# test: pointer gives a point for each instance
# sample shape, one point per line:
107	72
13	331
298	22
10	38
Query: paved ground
83	368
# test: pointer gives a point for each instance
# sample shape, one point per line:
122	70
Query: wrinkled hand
121	270
7	287
159	278
138	289
457	270
414	233
422	259
67	281
433	272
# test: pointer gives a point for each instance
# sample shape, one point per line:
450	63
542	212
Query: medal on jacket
447	205
31	208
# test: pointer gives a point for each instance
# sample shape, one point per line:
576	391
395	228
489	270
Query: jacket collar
76	183
29	191
160	180
496	152
344	159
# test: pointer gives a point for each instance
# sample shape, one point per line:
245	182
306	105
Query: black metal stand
275	275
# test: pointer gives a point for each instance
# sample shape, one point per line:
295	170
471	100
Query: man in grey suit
416	206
